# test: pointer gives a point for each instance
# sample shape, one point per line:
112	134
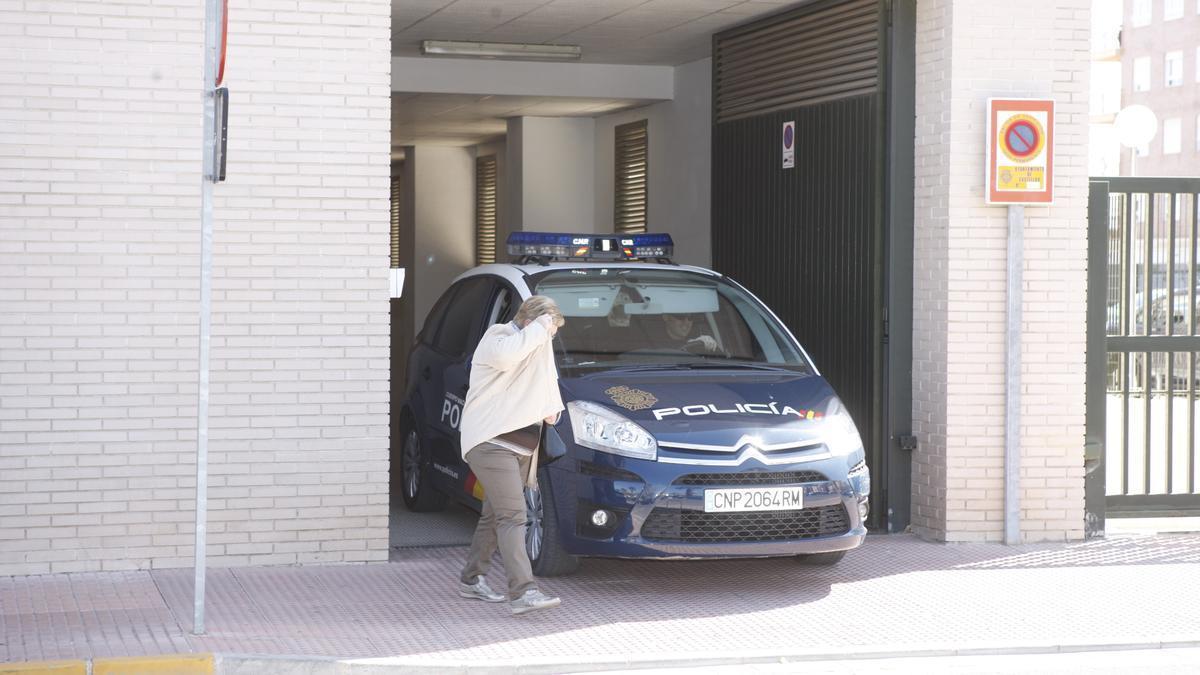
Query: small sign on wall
1020	151
789	144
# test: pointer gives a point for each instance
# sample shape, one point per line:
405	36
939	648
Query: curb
77	667
235	664
169	664
245	664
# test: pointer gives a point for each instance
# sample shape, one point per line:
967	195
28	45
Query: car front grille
751	478
667	524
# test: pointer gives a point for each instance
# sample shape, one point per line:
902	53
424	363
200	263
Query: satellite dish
1136	125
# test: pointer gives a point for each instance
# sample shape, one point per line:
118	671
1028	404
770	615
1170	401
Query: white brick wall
930	273
99	206
966	52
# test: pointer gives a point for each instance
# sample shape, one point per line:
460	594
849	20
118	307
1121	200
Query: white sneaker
532	600
479	591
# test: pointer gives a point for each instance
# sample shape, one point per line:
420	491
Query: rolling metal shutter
485	210
631	188
810	239
822	52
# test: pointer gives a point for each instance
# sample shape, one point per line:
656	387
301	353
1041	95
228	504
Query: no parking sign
1020	151
789	144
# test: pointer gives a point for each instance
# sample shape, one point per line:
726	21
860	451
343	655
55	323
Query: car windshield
645	318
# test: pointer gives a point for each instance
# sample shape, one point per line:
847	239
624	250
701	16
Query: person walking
513	386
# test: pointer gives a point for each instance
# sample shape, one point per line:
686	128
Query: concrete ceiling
644	32
469	119
633	32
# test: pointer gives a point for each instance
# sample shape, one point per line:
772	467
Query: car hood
713	407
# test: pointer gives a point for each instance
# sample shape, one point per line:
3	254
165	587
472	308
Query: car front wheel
541	532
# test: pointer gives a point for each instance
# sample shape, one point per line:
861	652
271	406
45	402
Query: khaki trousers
502	522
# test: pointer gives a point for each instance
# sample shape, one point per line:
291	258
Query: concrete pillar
550	166
966	53
443	235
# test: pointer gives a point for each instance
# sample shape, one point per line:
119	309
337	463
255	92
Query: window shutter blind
395	220
485	210
631	187
823	51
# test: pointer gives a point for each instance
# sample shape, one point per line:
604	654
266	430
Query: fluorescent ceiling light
501	50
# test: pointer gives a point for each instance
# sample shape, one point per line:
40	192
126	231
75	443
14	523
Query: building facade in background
1105	150
1160	64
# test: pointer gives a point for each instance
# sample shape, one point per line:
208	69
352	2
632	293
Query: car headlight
599	428
859	470
841	436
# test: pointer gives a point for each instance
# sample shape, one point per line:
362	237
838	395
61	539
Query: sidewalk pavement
895	596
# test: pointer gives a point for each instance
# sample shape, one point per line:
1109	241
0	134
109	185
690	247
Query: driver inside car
676	330
680	331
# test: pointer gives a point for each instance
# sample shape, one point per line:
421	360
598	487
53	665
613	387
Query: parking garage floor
452	526
896	595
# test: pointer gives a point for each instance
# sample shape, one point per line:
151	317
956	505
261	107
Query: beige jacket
513	383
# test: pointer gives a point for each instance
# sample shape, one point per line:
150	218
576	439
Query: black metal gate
1147	406
827	242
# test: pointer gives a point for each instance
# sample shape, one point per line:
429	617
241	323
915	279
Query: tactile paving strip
64	616
895	593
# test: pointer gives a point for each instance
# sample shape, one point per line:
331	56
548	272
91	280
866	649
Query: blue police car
696	426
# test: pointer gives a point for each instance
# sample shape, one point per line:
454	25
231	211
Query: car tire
822	559
546	553
416	485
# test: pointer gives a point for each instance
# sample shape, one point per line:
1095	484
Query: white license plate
754	499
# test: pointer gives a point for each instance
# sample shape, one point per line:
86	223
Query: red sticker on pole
224	41
1020	151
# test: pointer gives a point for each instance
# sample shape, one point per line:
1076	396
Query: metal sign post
214	63
1020	170
1012	384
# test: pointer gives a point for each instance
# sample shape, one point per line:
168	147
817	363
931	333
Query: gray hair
536	306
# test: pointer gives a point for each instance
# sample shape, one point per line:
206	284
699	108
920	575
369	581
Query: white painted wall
680	136
554	161
444	220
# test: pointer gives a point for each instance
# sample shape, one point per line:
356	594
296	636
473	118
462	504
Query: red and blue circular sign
1022	138
789	137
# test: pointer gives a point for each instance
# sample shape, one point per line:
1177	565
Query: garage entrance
828	243
468	170
812	204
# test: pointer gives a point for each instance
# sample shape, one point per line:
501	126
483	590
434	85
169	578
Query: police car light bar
590	246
